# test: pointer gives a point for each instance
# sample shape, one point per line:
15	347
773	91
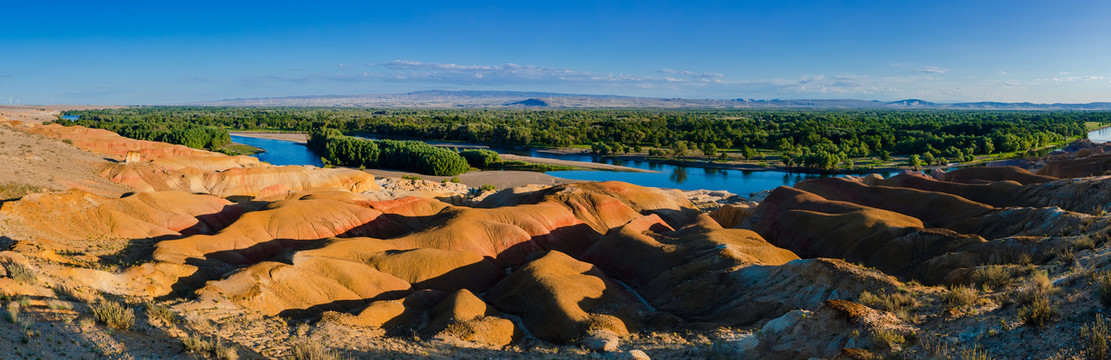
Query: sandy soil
41	113
47	163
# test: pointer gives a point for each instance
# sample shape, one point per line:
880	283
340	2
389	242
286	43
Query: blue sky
118	52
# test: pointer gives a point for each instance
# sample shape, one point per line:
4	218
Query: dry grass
22	274
304	349
1083	243
114	315
12	191
887	338
1037	286
1038	312
995	276
941	350
960	296
1094	338
208	348
888	302
161	312
11	312
1103	287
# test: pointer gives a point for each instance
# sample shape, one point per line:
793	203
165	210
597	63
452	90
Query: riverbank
301	138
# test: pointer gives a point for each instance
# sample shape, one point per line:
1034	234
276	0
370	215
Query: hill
530	99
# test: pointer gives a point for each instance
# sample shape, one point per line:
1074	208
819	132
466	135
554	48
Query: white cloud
933	70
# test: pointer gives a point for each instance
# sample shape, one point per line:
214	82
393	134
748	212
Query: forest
338	149
812	138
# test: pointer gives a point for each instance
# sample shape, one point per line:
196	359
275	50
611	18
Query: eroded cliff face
831	267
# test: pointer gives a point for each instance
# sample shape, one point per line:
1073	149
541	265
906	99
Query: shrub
1038	312
959	296
22	274
480	158
888	302
1038	285
1103	287
215	349
12	191
487	187
887	338
1094	337
114	315
311	350
161	312
12	312
993	276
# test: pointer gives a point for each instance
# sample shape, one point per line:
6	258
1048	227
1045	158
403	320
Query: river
280	152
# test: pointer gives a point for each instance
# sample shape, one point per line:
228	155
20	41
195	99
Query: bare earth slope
263	260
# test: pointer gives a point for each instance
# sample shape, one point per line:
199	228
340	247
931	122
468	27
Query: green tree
928	158
709	149
914	162
748	153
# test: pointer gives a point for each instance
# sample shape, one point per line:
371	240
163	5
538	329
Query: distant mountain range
524	99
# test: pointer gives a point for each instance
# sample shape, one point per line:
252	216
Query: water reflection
679	175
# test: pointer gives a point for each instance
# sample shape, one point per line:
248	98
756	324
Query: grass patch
208	348
1094	338
161	312
959	297
12	191
893	302
994	276
1037	286
11	312
22	274
114	315
887	338
1103	287
1038	312
234	149
310	350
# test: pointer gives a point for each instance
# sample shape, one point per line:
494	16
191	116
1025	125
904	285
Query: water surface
280	152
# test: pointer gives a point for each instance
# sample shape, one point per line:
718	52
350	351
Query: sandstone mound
978	175
731	215
562	299
813	226
108	143
1096	164
75	214
245	182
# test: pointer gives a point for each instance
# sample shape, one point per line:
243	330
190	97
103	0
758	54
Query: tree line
813	138
173	132
338	149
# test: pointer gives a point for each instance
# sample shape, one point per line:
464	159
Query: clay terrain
126	249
